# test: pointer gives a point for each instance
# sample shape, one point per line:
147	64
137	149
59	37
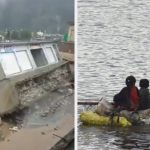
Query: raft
92	118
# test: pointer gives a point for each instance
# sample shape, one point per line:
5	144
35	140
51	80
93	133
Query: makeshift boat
123	119
92	118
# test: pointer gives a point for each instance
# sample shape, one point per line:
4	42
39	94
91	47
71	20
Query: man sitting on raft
128	97
144	94
129	103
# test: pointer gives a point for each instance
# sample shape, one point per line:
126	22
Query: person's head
144	83
130	81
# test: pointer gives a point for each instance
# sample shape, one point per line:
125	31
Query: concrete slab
47	124
43	138
8	97
35	73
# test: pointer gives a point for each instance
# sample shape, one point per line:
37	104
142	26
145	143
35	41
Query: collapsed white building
17	58
28	70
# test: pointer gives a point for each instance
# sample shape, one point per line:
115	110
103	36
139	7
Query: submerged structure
28	70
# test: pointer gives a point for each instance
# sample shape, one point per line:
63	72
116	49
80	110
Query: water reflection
113	138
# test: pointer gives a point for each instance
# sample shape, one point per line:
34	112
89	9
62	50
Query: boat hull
92	118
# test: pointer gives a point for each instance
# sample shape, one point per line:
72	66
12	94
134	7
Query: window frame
50	48
1	53
27	57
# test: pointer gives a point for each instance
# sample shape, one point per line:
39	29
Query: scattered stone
70	91
60	90
44	114
43	133
30	90
14	129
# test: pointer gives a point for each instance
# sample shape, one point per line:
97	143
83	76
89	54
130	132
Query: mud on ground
48	110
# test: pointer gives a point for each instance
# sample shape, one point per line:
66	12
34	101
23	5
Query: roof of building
26	43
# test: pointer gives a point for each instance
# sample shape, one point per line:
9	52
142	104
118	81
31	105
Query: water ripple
113	42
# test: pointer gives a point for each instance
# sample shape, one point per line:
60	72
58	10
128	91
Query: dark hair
144	83
130	80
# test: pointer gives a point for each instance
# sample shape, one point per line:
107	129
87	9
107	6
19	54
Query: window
56	51
39	57
9	63
23	60
51	55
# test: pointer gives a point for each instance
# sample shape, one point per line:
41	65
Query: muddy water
46	111
113	42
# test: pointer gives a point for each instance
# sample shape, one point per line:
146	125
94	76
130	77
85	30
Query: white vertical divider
31	57
49	54
58	53
54	52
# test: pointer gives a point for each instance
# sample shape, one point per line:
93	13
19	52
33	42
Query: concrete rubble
46	103
43	124
36	97
31	90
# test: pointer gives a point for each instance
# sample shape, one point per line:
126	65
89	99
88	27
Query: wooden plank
88	102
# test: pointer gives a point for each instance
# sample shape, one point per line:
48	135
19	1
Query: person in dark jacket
128	97
144	94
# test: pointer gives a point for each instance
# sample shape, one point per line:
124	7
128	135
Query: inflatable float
92	118
104	115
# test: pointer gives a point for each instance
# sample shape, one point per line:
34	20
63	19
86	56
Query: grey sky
50	15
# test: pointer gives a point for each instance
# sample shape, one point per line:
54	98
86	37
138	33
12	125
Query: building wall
21	89
19	59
